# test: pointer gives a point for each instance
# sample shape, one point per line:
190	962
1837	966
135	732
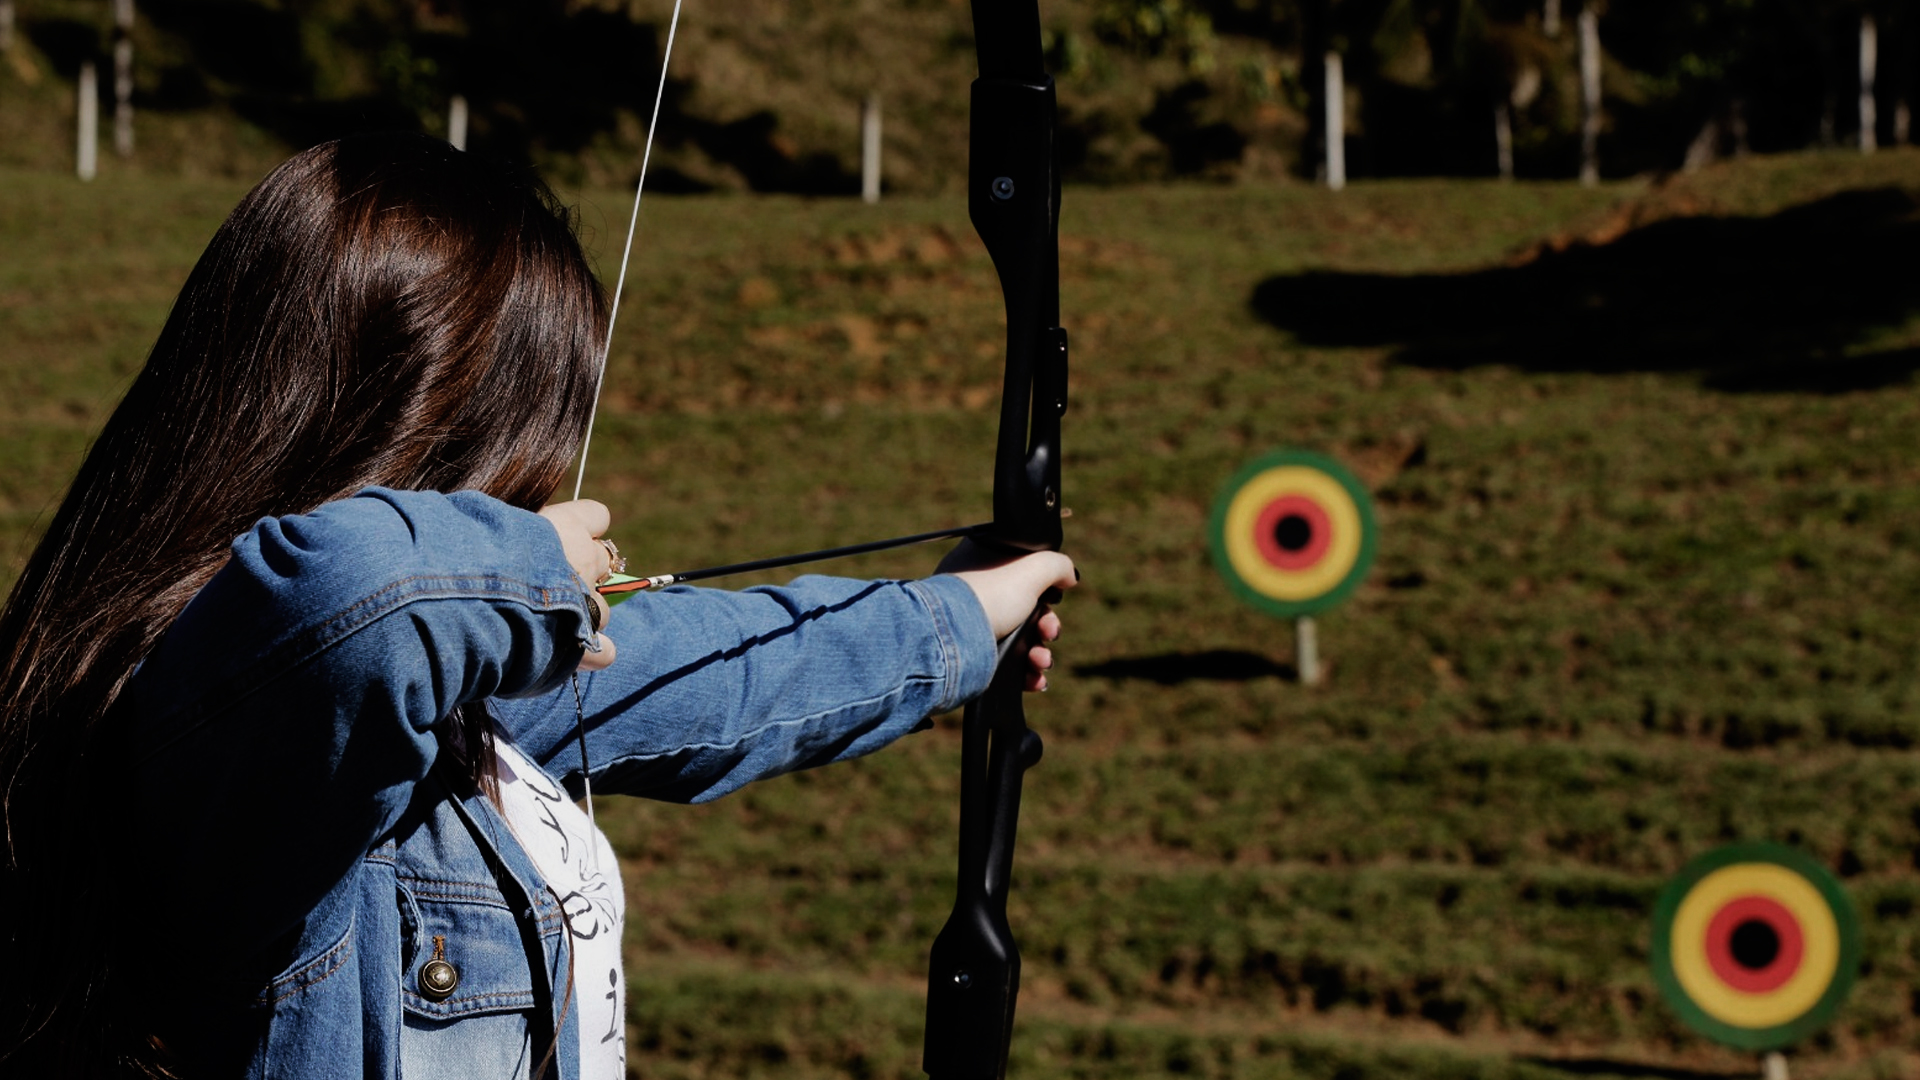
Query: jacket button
438	980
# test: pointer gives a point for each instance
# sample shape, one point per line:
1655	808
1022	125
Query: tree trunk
1550	19
1336	94
1724	134
123	78
1589	95
1705	146
1869	60
6	26
1903	56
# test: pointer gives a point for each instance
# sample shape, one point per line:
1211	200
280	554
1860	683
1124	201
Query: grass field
1647	465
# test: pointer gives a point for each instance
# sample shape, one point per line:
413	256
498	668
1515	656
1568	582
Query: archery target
1754	945
1292	533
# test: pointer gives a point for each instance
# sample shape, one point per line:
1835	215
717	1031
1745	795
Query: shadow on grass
1170	669
1609	1067
1751	304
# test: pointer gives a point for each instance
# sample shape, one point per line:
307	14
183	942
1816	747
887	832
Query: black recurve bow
1013	197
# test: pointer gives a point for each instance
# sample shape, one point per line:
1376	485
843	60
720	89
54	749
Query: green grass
1624	611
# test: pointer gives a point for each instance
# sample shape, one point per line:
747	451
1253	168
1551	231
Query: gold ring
615	563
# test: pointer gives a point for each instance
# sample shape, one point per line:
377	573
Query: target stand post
1306	651
1773	1065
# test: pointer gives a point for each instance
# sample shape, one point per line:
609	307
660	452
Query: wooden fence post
1589	95
870	149
1503	136
1336	111
123	78
87	139
457	121
1869	60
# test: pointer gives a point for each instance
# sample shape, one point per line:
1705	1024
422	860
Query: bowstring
606	350
633	221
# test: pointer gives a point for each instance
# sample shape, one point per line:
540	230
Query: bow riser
1014	200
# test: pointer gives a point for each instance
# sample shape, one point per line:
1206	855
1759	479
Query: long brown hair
382	310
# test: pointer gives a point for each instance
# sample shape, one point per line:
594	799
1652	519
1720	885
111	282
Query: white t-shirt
579	865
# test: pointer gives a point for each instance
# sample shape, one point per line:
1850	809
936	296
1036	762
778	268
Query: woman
279	804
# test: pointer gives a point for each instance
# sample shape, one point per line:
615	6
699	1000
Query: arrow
620	586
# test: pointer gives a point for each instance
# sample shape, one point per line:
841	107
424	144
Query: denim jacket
298	851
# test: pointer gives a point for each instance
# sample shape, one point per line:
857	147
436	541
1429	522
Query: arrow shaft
621	584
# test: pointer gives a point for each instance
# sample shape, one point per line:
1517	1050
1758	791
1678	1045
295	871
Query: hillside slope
1646	585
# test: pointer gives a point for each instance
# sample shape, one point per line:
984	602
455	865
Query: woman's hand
580	524
1010	588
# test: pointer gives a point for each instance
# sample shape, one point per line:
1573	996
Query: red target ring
1293	532
1755	944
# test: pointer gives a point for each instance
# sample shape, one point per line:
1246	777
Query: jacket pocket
468	953
300	1018
309	973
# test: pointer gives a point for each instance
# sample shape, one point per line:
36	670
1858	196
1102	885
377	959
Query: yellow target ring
1307	583
1792	999
1754	945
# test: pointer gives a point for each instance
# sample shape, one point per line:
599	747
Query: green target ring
1292	533
1754	945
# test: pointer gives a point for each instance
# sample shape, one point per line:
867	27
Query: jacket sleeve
713	689
279	727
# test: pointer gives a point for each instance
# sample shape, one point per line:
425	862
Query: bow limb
1013	198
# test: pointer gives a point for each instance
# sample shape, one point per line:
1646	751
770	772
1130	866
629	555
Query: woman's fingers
596	661
600	655
1009	588
588	515
1039	662
1039	656
580	524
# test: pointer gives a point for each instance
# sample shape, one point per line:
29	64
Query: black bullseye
1293	532
1754	945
